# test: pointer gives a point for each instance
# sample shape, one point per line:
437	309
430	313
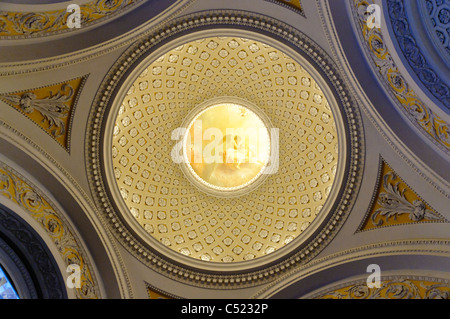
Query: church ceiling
353	112
158	194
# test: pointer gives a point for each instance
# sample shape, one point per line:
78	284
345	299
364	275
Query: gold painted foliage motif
156	294
21	24
395	203
434	126
293	4
392	289
20	192
50	107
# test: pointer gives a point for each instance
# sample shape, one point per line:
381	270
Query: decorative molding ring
230	20
411	50
434	128
16	188
46	280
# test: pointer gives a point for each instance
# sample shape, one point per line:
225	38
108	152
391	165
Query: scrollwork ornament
30	200
402	288
50	107
394	203
5	183
418	112
53	108
22	193
16	25
412	52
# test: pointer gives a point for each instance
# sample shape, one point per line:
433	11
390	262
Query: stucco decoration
188	220
294	5
401	287
18	25
22	193
411	50
155	293
50	107
421	115
395	203
38	275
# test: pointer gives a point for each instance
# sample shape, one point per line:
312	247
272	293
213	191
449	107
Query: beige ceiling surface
188	220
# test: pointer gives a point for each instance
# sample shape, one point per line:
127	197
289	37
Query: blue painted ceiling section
410	46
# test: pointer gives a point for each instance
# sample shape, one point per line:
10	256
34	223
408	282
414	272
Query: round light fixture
228	147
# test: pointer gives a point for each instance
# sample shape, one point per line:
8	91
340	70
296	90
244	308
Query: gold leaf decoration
296	5
418	112
392	289
22	193
154	293
23	24
50	107
395	203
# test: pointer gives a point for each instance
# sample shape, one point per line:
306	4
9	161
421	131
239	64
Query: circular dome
168	203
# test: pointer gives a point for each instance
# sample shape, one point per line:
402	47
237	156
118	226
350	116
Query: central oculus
226	147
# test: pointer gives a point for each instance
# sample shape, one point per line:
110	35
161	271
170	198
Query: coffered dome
188	220
231	149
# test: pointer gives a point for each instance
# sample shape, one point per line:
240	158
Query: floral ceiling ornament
17	25
395	203
51	107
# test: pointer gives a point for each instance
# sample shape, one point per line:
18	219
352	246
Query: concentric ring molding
125	208
245	226
275	33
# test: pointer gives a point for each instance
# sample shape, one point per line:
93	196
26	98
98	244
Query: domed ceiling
179	215
227	149
220	222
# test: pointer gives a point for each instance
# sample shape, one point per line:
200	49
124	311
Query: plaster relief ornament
395	203
50	107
